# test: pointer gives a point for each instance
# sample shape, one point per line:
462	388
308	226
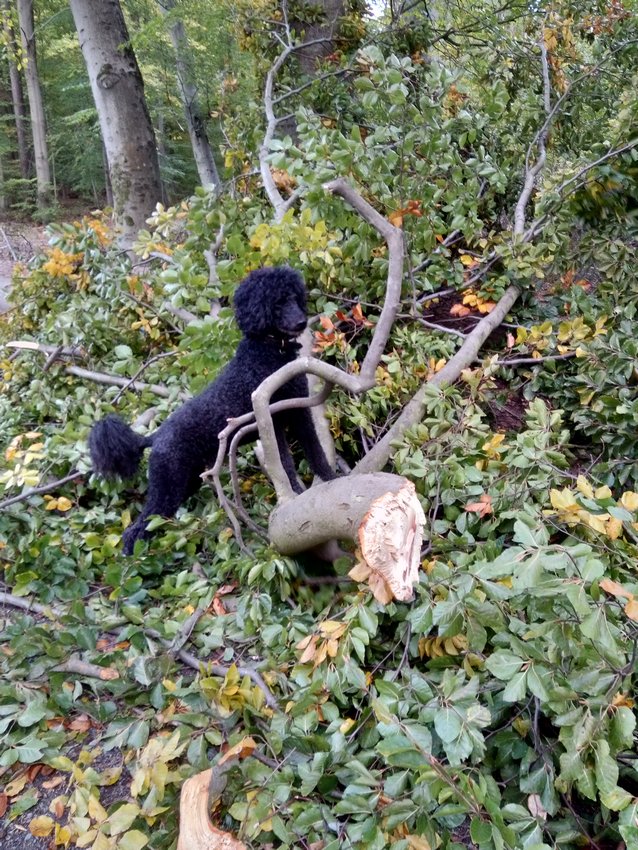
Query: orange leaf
396	218
380	588
615	589
631	609
482	507
459	310
310	649
241	750
326	323
81	723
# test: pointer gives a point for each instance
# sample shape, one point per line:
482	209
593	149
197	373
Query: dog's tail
115	448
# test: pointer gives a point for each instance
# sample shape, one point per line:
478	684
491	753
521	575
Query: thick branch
355	384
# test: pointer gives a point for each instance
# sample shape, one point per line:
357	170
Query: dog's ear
253	308
257	297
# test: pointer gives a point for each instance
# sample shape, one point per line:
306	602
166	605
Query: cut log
196	831
381	512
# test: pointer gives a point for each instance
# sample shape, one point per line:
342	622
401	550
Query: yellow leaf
583	486
614	528
347	725
563	500
380	589
310	650
96	810
629	500
417	842
602	492
41	826
596	521
332	628
322	653
333	647
360	572
468	260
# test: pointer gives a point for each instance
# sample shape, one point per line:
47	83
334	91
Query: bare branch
45	488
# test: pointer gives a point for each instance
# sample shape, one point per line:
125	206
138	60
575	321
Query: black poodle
270	308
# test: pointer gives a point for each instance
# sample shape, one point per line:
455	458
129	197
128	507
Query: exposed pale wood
196	831
390	538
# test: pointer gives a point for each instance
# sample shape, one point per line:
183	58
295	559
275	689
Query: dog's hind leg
169	485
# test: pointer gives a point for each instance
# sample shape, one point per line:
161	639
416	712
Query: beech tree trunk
202	151
326	28
36	105
17	97
118	92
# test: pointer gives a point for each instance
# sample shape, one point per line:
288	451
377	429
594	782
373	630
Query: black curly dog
270	308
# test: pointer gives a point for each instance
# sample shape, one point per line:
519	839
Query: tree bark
36	105
202	151
118	92
380	512
17	97
321	33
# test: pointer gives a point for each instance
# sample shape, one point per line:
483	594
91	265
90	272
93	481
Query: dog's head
271	302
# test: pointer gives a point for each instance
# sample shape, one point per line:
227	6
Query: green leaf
504	665
516	689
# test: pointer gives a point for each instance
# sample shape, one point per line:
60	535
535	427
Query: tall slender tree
17	97
195	121
118	92
36	104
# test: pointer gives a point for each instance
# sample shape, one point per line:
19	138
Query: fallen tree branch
379	512
85	668
58	350
51	611
355	384
27	604
44	488
126	383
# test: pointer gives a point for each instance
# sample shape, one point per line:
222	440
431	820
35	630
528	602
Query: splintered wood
196	832
390	539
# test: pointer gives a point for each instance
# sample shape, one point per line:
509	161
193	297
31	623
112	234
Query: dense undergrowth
494	711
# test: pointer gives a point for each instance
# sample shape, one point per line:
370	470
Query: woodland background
496	710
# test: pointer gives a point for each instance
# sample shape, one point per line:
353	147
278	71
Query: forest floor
19	241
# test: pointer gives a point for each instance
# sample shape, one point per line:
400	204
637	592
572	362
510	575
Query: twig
27	604
45	488
533	361
217	669
141	370
85	668
186	630
185	315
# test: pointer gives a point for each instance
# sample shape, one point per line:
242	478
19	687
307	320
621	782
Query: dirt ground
19	241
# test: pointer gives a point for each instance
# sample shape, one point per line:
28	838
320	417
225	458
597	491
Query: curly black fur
270	308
